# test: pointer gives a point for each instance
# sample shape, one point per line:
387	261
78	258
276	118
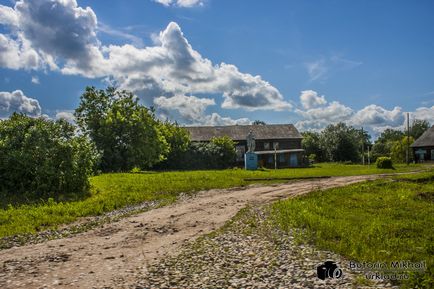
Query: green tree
223	151
42	159
363	140
390	135
340	142
418	127
383	145
380	149
178	140
125	132
312	145
398	150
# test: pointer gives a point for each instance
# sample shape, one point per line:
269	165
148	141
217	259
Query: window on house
266	146
275	145
281	158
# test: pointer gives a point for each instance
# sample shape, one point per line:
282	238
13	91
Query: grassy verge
114	191
378	221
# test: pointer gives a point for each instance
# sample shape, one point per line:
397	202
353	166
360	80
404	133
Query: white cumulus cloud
215	119
181	3
374	115
191	110
424	113
16	101
310	99
35	80
334	112
8	16
18	54
317	113
66	115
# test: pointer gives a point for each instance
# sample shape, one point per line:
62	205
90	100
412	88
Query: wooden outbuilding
275	144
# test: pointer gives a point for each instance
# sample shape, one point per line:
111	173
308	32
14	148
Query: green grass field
114	191
373	221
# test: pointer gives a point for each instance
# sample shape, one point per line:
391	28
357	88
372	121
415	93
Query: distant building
423	147
273	142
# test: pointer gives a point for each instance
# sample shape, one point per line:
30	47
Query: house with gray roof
275	144
423	147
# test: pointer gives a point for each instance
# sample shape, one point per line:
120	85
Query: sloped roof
240	132
426	139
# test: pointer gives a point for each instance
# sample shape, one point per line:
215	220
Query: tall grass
114	191
374	221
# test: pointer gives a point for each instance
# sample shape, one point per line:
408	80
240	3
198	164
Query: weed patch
373	221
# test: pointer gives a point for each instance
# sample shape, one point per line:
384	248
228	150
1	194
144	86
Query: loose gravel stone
248	253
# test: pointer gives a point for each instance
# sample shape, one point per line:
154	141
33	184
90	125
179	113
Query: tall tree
418	127
341	143
383	145
125	132
390	135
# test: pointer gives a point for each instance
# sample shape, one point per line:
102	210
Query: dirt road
101	257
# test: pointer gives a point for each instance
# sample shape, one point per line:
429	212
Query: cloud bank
317	113
59	35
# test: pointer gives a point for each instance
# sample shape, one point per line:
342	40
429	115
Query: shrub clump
384	163
219	153
42	159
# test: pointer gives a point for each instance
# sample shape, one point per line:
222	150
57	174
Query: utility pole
369	159
275	158
408	139
363	147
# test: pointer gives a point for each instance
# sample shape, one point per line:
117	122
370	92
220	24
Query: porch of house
423	154
290	158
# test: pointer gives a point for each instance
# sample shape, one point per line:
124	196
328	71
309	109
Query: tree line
42	158
344	143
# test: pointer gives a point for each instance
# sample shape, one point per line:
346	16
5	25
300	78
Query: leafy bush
135	170
224	154
178	140
384	163
336	143
219	153
399	148
312	157
41	158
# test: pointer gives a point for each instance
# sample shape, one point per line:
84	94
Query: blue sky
218	62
